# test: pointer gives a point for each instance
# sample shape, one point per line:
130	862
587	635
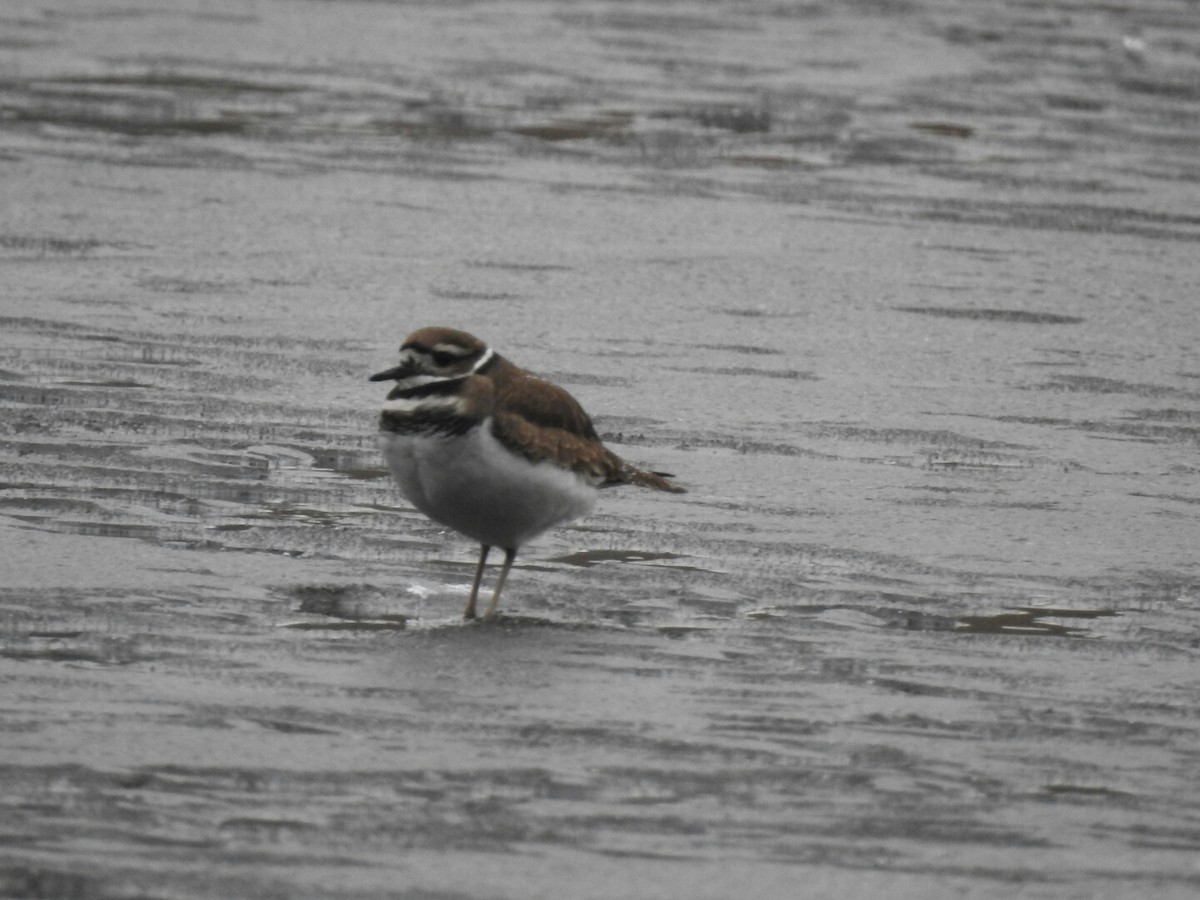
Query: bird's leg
469	612
509	556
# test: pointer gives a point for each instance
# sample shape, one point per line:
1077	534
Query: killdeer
491	450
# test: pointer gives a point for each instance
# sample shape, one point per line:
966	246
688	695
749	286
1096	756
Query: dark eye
441	358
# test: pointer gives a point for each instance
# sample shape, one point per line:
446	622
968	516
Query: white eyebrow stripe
451	349
483	360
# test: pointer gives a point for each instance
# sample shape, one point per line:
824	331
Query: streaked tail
654	480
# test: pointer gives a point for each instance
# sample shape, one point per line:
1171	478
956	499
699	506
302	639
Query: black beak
395	374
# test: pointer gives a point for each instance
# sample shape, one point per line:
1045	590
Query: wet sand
905	299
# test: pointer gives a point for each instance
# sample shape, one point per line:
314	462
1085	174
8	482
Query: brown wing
541	443
543	403
544	423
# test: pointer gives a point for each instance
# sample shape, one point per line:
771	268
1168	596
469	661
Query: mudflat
905	297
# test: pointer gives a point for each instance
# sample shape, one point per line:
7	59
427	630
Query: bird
491	450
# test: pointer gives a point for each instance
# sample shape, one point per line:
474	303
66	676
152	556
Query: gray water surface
905	294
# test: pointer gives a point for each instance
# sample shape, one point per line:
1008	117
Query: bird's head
436	354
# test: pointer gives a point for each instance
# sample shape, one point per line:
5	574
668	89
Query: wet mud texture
904	293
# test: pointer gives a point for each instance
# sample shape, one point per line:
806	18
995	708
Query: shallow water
905	295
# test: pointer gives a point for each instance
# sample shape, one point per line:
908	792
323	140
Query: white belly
472	484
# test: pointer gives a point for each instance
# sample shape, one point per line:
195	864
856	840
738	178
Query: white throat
421	378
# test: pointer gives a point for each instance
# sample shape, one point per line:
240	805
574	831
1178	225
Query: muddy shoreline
905	298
